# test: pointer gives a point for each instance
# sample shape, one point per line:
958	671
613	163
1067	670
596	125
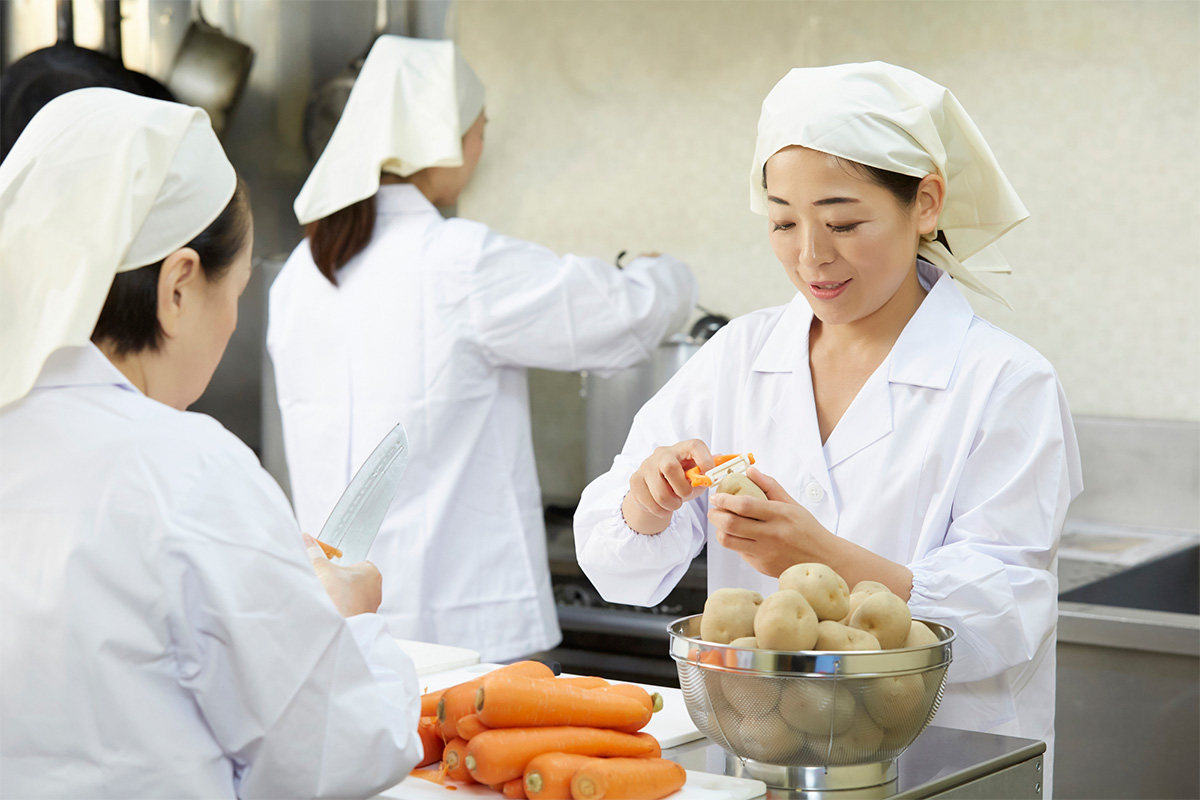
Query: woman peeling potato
900	439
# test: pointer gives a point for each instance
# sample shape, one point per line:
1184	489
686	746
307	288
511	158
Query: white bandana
894	119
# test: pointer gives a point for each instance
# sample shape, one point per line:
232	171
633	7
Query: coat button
815	492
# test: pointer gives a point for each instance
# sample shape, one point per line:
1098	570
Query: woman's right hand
659	487
354	589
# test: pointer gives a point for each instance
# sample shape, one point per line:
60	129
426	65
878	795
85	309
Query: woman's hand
770	535
774	534
354	589
659	487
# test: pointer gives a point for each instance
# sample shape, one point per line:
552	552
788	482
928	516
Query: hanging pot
210	69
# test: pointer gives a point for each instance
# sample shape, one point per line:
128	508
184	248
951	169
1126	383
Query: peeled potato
785	621
895	702
816	706
838	637
919	634
729	614
737	483
747	642
884	616
823	588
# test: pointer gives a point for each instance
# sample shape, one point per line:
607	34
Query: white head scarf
409	108
894	119
99	182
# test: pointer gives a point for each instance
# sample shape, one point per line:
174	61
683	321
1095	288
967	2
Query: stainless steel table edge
984	769
1129	628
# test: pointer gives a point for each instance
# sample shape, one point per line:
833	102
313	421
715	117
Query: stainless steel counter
941	763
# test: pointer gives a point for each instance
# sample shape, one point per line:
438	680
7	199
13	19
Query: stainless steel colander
813	714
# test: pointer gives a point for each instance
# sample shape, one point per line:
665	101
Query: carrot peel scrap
698	478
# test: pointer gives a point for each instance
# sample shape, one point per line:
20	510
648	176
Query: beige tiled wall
618	124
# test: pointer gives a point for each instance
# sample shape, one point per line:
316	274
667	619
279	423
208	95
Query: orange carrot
514	701
514	788
654	702
698	478
330	550
431	741
458	701
548	776
429	702
456	762
628	779
470	725
583	681
502	754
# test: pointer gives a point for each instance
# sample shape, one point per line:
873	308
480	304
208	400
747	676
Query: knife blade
360	510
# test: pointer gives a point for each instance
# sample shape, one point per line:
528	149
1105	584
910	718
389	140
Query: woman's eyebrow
772	198
833	201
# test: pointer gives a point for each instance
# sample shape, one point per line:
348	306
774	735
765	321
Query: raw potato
747	642
884	616
729	614
870	587
858	742
737	483
919	634
785	621
768	738
838	637
823	588
896	702
751	695
814	706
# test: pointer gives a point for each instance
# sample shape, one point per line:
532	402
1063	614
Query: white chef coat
433	325
957	458
164	634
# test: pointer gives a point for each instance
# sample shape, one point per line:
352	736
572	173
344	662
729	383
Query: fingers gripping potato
729	614
738	483
838	637
884	616
823	588
785	621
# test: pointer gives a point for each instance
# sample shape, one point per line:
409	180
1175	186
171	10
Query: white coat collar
924	354
402	198
81	366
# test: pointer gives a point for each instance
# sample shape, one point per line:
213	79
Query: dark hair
902	187
129	320
37	78
339	237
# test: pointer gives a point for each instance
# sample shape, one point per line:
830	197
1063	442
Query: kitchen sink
1171	584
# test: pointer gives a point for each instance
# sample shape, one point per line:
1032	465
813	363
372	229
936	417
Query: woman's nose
814	250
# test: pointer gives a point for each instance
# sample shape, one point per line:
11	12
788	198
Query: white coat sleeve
304	703
993	579
532	308
624	565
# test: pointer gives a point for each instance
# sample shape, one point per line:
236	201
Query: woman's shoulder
989	348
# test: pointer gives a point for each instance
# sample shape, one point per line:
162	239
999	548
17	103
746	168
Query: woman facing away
900	438
164	632
388	312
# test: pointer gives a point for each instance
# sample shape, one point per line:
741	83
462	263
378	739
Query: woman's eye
844	228
781	226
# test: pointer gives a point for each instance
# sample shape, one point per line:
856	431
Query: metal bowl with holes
810	720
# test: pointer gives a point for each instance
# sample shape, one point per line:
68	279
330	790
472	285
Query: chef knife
360	510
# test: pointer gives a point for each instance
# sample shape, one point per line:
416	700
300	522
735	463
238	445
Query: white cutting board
672	726
433	658
699	786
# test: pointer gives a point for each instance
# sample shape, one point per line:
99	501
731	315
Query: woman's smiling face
847	243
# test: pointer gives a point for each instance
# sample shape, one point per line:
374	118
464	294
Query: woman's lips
827	290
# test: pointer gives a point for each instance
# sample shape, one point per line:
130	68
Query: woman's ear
931	196
177	283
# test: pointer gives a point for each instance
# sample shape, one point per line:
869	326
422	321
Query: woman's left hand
772	534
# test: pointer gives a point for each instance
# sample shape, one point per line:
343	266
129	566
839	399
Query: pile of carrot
528	734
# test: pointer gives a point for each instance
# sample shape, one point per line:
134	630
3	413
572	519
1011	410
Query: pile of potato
817	720
813	610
